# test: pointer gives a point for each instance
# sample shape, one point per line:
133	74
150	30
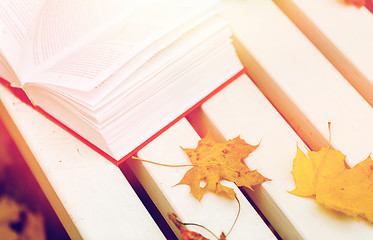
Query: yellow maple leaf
215	162
326	176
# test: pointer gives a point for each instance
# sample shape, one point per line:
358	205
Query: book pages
120	74
98	53
62	27
16	18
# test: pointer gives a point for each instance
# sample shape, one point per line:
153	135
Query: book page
203	37
16	18
62	27
164	46
96	61
7	73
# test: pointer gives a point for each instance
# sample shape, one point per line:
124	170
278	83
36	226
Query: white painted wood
309	92
241	109
299	80
215	213
344	33
90	195
94	200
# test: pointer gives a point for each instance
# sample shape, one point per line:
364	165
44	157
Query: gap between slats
202	125
146	200
159	181
166	229
336	57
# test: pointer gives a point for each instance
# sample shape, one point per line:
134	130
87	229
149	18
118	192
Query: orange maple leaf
326	176
191	235
215	162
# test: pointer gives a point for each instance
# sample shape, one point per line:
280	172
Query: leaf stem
162	164
198	225
182	165
173	217
238	214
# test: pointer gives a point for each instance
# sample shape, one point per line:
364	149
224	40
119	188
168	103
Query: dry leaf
215	162
360	3
190	235
357	3
18	222
185	233
326	176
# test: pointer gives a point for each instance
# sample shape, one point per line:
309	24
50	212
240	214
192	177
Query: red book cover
19	93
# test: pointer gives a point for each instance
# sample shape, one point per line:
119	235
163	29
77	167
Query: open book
115	72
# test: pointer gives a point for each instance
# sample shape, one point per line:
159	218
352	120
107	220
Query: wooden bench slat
343	33
308	91
300	82
214	212
240	109
90	195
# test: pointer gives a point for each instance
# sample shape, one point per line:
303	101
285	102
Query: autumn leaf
214	162
357	3
326	176
185	233
360	3
191	235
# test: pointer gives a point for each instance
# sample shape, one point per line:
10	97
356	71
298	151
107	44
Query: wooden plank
90	195
343	33
213	212
308	92
301	83
241	109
